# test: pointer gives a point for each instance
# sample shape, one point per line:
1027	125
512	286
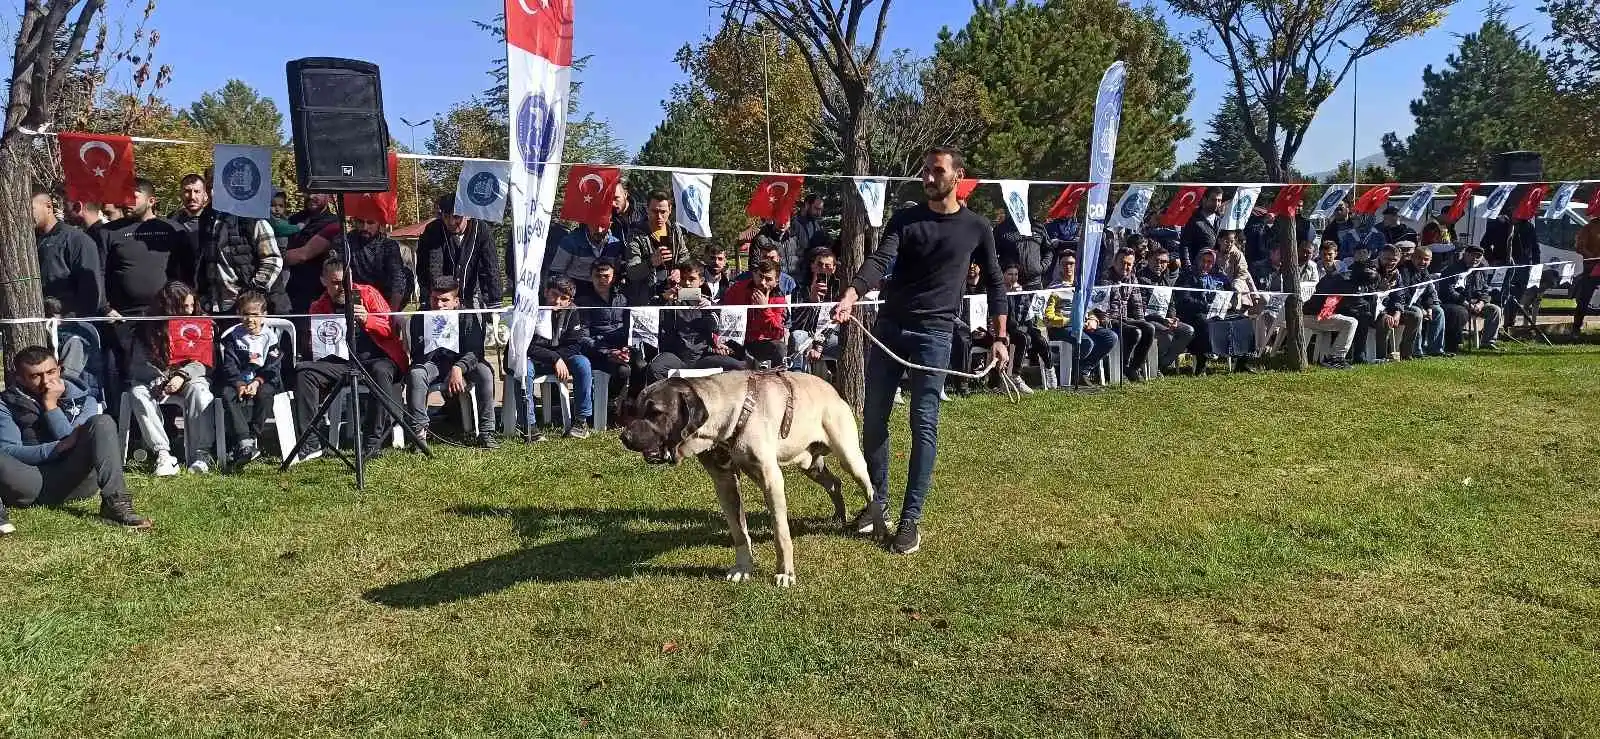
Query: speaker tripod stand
349	387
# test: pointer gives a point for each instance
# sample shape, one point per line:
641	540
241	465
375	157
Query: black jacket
376	261
240	352
571	339
1362	277
473	259
1414	277
224	244
1027	252
1454	291
605	319
1198	234
304	284
70	270
469	339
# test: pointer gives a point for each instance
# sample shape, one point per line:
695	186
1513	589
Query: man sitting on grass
56	446
449	346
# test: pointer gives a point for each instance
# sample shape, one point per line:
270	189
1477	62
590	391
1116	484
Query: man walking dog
931	246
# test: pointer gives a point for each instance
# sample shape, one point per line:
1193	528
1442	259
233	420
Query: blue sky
432	56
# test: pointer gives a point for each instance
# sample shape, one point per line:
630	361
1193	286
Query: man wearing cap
1465	293
1393	230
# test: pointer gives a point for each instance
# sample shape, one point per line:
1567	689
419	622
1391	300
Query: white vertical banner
1497	201
539	70
1418	207
691	193
241	180
1131	208
1237	212
481	190
1561	202
1330	201
1015	193
872	191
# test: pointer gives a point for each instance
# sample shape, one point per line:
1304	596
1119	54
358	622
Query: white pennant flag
977	311
1160	300
442	331
1131	208
1015	193
241	183
691	193
1100	299
1561	202
731	323
644	326
1221	300
482	189
1330	201
1417	207
872	190
327	338
1238	211
1497	201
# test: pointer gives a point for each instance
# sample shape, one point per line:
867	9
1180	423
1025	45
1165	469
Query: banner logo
536	132
691	204
484	189
241	178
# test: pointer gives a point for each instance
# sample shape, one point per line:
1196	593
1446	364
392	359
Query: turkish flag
99	168
775	197
542	28
383	207
1529	207
1374	199
189	340
1594	203
587	198
1182	206
1287	204
964	189
1066	205
1329	305
1458	208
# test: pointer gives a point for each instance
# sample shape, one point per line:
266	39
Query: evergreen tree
1225	155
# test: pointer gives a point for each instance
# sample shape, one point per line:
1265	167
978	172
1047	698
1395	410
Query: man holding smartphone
654	253
930	246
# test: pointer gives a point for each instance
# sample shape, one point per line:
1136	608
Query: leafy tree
1572	122
687	139
1225	155
237	114
1488	99
739	88
1042	87
922	103
1370	173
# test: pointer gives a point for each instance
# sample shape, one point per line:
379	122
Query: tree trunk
20	291
1294	355
850	379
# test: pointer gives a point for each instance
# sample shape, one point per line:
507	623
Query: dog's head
665	414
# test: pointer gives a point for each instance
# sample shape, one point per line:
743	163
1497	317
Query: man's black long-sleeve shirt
931	252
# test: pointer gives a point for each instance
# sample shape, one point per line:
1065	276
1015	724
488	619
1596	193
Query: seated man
604	310
563	354
1392	322
766	330
1125	312
1466	293
1096	341
56	446
250	375
376	347
806	322
1424	331
449	347
688	339
1321	313
1172	335
1026	336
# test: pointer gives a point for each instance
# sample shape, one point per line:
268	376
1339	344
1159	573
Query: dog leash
1012	392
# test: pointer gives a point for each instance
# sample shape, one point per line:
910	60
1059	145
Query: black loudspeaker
1518	166
341	140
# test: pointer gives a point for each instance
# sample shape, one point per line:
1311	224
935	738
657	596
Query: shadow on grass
613	548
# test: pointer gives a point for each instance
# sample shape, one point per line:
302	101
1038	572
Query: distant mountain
1378	159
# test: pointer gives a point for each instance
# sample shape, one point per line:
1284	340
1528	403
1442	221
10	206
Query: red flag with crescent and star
1287	204
383	207
1066	205
1529	207
1594	203
1182	206
587	198
189	340
99	167
1458	207
775	197
1373	200
964	189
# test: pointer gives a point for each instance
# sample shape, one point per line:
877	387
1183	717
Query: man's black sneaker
868	518
488	441
375	446
120	512
241	456
1490	347
532	435
906	538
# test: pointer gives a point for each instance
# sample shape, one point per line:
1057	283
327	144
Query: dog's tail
844	438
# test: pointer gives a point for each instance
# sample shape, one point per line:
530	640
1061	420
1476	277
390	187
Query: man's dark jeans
917	345
93	464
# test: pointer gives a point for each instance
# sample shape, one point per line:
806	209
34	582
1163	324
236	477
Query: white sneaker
166	464
943	396
899	397
199	467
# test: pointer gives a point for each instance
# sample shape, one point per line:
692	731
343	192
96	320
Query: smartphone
689	295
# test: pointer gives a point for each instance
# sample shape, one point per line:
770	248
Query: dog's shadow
621	543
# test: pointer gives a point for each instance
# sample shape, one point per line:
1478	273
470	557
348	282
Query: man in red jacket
766	328
376	346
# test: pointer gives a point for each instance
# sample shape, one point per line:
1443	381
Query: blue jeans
1430	337
929	348
1093	346
582	384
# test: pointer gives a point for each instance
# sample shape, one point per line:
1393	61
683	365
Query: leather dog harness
757	379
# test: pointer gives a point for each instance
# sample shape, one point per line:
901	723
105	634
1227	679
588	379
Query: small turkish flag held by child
775	197
587	198
1066	205
99	168
964	189
1458	208
1329	305
383	207
1529	207
1182	206
1287	204
1373	200
189	340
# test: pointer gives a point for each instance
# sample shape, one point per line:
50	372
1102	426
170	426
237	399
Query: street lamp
416	164
1355	97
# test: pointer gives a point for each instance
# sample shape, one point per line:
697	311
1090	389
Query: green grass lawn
1405	549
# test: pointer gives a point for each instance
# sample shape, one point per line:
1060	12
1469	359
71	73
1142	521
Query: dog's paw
783	580
738	574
